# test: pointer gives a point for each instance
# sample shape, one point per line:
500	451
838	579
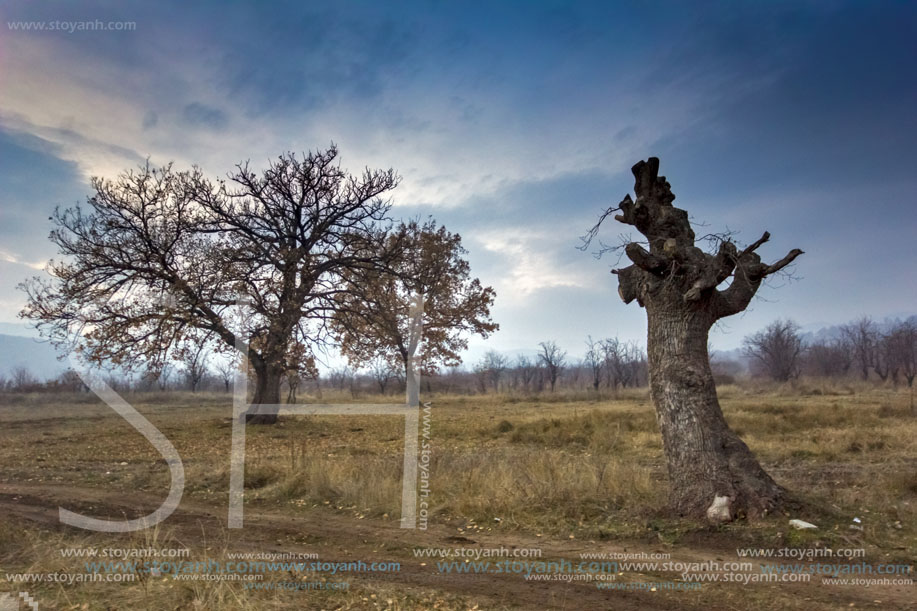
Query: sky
514	124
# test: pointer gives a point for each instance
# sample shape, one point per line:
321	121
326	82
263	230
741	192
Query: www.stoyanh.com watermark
410	410
71	27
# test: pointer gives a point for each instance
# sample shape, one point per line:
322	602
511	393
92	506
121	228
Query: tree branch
747	279
643	259
756	244
629	283
716	270
776	267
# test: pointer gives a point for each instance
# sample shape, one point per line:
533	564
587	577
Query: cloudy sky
514	123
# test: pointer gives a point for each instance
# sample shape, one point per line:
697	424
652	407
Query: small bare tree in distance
492	368
829	358
22	379
863	337
194	356
553	359
226	369
902	341
527	371
594	361
777	349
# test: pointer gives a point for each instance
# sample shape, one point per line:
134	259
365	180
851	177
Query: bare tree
299	364
527	371
226	370
712	472
22	380
623	362
832	358
902	345
164	376
886	357
594	361
161	254
492	368
70	381
863	337
193	355
553	359
342	378
382	372
293	380
777	349
613	354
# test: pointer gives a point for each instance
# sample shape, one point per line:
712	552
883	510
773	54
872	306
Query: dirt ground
32	537
336	538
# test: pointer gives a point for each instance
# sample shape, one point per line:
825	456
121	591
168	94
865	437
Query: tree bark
264	404
712	472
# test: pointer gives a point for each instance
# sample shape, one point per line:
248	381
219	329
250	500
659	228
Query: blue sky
514	123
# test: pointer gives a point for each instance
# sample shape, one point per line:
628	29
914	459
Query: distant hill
38	357
814	333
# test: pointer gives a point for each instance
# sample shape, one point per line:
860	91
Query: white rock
802	525
719	510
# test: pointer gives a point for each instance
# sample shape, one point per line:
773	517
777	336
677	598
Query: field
557	475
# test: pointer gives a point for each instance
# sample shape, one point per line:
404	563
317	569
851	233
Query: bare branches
779	265
673	263
281	238
747	279
590	235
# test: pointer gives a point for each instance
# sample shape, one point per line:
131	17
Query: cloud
197	114
526	263
514	127
507	103
11	258
34	180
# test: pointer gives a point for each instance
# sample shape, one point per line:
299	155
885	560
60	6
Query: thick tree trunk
267	395
712	472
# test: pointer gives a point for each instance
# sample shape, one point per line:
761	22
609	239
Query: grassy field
567	474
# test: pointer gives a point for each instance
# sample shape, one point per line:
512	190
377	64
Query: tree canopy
373	322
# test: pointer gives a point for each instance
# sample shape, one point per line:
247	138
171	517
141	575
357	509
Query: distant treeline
885	353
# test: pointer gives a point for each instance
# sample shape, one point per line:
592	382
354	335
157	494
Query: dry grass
565	464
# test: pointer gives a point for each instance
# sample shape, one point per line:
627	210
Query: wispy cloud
527	262
11	258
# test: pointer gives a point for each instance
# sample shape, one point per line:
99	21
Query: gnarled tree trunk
706	459
712	472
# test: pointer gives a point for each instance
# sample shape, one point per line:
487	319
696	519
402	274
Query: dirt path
339	538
